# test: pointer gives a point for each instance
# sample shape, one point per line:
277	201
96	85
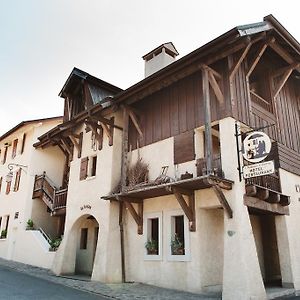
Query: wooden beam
135	121
93	127
235	67
124	159
211	70
223	201
275	208
284	79
255	61
137	215
66	146
207	120
282	52
180	190
273	197
262	193
128	199
75	143
216	88
285	200
188	208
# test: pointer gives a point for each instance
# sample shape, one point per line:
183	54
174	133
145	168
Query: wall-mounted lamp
10	173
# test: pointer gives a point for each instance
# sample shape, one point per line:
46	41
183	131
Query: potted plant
54	244
3	234
177	247
29	224
152	247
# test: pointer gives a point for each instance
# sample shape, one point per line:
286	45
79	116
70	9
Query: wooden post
124	162
207	118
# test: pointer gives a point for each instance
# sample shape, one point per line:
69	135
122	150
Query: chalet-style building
19	161
155	179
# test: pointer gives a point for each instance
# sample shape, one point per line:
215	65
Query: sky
42	40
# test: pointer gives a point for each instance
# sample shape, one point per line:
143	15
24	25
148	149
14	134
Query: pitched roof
24	123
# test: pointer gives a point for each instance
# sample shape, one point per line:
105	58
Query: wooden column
207	118
124	162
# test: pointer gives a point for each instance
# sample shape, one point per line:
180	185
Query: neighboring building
155	192
18	163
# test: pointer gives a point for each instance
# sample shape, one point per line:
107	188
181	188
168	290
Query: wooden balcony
55	199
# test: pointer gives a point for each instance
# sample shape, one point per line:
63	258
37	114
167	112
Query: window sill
185	257
150	257
90	178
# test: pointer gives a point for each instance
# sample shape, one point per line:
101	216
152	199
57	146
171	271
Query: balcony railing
44	188
217	171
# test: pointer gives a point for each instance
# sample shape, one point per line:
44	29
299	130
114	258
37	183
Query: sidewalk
123	291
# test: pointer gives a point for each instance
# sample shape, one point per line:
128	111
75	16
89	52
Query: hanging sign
259	169
256	147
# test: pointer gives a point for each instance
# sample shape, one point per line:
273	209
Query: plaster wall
204	248
160	154
84	199
18	204
287	228
33	249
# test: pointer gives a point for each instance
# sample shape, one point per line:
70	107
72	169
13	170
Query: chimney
159	58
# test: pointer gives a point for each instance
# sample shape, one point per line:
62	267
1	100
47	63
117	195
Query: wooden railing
216	166
271	182
45	189
261	102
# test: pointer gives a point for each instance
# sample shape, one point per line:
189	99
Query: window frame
147	232
170	233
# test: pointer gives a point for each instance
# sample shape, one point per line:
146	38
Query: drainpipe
122	241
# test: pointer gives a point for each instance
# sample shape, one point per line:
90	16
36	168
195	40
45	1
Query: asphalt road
20	286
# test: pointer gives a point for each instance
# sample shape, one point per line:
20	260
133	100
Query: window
177	239
178	230
93	165
88	167
14	150
23	143
16	215
17	180
153	236
84	168
4	156
1	178
8	185
83	238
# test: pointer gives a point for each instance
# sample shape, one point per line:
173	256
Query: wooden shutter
17	180
4	156
8	184
23	143
184	149
14	150
80	145
83	168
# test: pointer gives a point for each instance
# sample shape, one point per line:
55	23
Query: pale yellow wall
192	275
21	201
84	198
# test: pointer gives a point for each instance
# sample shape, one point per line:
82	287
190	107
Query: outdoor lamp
10	174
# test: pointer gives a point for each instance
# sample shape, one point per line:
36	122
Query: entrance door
264	231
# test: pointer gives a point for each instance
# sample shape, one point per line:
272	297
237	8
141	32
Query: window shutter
84	168
8	184
23	143
14	150
17	180
5	155
184	149
1	178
